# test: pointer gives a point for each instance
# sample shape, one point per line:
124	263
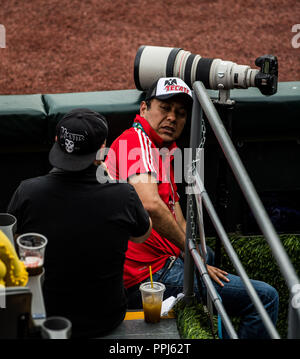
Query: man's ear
143	108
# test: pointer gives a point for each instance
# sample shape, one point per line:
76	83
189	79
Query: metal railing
198	194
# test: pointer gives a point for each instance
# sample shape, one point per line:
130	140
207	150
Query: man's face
167	118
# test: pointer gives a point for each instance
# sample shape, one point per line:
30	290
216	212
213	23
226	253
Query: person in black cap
87	224
79	136
163	115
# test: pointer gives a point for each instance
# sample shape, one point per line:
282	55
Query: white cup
56	328
8	226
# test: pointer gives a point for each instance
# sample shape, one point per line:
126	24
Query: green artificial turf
193	321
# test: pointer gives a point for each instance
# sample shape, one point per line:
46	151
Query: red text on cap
176	88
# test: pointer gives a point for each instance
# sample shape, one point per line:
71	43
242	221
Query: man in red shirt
144	155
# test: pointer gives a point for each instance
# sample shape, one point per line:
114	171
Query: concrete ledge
134	327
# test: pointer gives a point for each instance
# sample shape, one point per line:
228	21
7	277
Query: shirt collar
154	137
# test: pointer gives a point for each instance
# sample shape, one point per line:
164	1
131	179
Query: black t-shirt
87	225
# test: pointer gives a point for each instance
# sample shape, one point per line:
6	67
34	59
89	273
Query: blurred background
55	46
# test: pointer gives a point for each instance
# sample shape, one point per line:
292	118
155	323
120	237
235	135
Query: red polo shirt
140	150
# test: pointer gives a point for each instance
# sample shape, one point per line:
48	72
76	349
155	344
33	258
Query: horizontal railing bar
200	190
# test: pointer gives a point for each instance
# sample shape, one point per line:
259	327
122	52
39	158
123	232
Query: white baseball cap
167	87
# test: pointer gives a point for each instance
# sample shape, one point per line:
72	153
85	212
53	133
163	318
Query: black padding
203	69
188	70
171	61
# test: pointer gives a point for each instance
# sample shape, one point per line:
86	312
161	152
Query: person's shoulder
34	182
118	193
128	132
128	135
123	187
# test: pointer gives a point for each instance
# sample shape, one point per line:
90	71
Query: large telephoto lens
153	62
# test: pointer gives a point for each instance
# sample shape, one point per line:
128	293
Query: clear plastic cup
31	248
8	226
152	300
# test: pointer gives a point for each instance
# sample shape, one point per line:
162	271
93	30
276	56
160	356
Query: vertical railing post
195	138
188	279
294	317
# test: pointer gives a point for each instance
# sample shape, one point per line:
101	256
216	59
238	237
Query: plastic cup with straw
152	296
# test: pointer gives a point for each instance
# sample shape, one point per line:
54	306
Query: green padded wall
23	141
118	107
23	120
258	117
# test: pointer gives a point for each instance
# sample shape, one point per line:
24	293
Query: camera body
153	62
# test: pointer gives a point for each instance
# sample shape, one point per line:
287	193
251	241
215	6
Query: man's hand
216	274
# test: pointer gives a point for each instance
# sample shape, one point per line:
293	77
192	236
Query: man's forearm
163	220
165	224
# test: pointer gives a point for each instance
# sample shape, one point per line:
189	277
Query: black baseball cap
167	87
79	136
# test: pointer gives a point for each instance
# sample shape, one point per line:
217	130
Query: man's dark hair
148	104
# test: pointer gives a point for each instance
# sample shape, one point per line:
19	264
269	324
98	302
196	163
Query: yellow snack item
12	270
2	272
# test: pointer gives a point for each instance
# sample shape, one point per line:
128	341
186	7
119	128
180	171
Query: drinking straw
150	270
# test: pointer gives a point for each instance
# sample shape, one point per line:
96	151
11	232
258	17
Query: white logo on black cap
71	136
69	145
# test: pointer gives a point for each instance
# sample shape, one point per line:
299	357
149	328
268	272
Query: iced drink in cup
152	300
31	247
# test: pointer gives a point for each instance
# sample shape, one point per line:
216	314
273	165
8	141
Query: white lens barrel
150	65
154	62
229	75
180	63
251	77
194	68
